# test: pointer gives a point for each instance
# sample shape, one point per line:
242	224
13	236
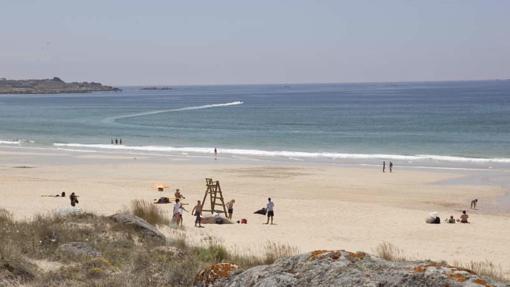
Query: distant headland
50	86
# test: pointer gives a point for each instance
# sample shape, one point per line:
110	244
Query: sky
184	42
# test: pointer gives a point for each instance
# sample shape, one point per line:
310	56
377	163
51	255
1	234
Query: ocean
439	123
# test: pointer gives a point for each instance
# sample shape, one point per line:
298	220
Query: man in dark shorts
270	210
230	208
74	199
197	211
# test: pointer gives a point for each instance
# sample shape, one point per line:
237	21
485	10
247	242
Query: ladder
215	196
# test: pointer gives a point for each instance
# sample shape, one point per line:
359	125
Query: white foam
287	154
112	119
10	142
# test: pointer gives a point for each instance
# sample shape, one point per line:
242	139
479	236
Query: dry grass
275	251
485	268
150	212
389	252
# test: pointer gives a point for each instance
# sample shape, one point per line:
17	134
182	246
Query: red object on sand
244	221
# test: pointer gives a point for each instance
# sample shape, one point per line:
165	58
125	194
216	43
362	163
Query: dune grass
150	212
485	268
389	252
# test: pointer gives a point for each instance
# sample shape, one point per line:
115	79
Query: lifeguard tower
213	190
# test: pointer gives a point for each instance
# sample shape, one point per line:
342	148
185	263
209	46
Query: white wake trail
113	119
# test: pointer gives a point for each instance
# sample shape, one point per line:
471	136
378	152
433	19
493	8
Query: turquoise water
444	121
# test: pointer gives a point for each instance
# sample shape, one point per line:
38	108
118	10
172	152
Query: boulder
343	268
78	249
139	224
208	276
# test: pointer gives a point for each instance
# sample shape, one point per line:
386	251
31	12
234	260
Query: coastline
317	206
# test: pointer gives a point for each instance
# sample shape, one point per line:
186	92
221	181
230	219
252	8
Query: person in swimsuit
230	208
270	210
197	211
74	199
464	217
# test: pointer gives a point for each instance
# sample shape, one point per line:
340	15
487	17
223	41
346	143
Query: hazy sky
220	42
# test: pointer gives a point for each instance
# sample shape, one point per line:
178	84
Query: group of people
390	165
435	219
178	210
116	141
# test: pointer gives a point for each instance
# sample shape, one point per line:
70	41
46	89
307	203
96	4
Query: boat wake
192	108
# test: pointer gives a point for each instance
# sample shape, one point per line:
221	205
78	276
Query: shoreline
433	162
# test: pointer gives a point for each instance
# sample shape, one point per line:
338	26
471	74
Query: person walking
270	210
215	153
197	211
391	167
384	166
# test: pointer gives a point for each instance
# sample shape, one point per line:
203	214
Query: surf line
113	119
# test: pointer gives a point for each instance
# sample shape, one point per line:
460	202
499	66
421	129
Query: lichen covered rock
343	268
208	276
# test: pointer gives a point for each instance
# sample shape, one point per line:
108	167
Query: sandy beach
316	206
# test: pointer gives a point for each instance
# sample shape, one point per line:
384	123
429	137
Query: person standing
270	210
230	208
391	167
74	199
215	153
197	211
474	202
177	212
384	166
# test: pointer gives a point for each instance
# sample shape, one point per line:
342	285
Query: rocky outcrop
50	86
343	268
139	224
77	249
214	273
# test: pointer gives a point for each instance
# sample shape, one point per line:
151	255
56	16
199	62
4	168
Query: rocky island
50	86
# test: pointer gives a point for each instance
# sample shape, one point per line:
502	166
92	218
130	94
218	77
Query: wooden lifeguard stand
215	195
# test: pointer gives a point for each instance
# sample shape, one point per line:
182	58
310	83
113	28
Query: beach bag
163	200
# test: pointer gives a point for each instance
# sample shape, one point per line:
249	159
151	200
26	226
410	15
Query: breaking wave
286	154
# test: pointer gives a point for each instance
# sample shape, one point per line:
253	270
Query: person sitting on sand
270	211
474	202
178	194
230	208
197	211
451	219
464	217
74	199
